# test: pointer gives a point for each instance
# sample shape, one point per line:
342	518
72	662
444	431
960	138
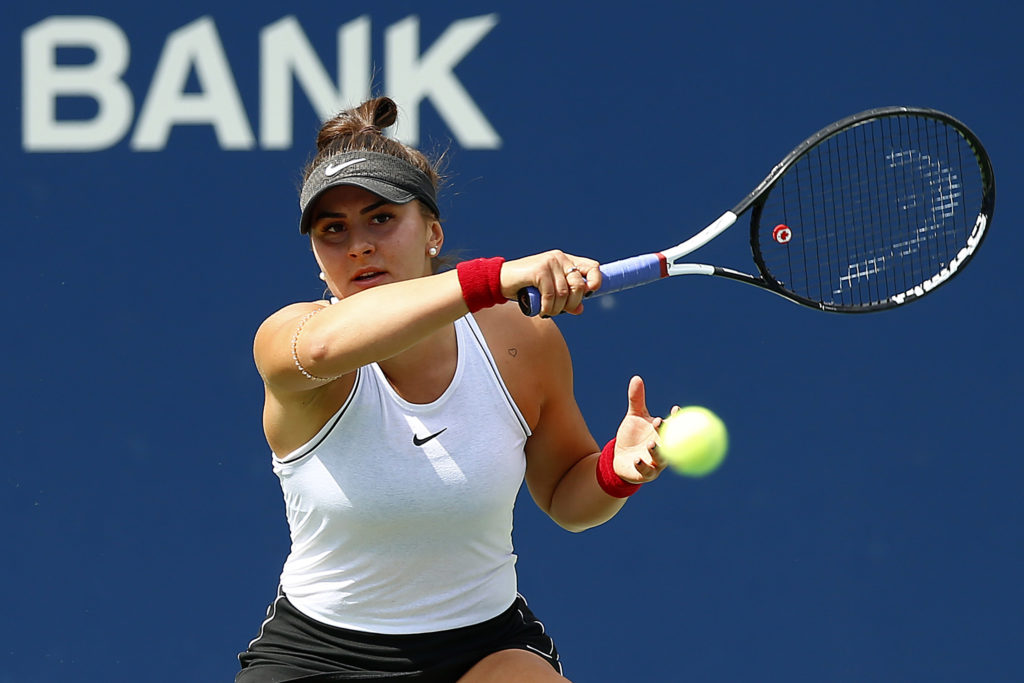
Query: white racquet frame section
716	228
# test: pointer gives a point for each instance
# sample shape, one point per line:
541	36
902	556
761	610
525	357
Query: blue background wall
866	525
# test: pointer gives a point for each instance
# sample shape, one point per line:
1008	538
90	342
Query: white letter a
167	104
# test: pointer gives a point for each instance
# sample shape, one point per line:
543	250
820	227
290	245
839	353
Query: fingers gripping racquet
872	212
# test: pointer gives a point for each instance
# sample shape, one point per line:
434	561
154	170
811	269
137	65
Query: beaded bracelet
611	483
295	350
480	280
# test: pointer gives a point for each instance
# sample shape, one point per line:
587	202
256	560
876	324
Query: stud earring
433	251
327	291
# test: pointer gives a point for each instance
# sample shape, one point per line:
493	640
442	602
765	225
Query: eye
381	218
334	228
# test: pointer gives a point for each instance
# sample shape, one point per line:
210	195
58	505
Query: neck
421	373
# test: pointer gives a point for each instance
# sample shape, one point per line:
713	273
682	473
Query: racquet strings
872	211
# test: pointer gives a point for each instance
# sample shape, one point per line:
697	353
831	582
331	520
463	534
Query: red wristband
480	280
612	483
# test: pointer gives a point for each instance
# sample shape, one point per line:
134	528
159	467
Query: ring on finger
574	269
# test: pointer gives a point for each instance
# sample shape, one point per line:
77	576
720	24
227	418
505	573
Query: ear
435	235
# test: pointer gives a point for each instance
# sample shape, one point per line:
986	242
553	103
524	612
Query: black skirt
293	648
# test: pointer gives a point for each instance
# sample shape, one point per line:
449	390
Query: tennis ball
693	441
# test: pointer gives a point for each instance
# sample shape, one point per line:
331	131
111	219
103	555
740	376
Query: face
361	240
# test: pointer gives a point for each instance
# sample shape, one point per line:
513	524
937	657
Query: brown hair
359	129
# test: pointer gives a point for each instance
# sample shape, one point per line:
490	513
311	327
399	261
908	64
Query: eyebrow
337	214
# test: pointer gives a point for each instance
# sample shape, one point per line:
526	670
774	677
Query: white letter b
43	81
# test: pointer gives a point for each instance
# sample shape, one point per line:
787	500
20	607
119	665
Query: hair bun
371	117
384	112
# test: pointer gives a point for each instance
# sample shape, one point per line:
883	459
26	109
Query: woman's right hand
562	280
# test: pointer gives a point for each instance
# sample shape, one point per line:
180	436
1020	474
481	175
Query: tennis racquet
872	212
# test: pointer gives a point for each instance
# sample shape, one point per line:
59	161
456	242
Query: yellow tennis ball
693	441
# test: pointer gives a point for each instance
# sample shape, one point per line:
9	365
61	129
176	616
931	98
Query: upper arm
560	438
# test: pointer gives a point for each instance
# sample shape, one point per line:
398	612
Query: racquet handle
615	277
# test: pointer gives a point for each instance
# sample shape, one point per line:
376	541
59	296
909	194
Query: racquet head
873	211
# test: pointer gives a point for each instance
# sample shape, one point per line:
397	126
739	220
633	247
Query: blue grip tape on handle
630	272
615	277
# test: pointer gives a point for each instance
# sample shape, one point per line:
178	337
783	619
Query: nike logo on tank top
400	513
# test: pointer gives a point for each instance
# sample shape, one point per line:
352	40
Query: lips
367	275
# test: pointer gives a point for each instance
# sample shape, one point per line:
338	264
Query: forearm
379	323
578	502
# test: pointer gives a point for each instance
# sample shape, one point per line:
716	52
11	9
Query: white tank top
400	514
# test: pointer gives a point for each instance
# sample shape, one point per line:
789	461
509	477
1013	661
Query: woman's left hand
636	440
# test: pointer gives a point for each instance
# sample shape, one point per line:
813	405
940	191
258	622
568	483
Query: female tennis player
403	417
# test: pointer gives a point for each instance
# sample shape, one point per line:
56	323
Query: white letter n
285	52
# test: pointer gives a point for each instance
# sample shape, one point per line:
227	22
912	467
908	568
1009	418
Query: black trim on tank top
326	430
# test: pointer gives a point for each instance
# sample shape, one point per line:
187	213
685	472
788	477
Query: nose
360	245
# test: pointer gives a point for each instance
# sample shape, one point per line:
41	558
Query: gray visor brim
388	177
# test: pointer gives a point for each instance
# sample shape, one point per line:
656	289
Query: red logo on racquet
782	234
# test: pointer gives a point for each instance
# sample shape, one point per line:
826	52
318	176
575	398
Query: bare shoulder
295	408
531	356
514	334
